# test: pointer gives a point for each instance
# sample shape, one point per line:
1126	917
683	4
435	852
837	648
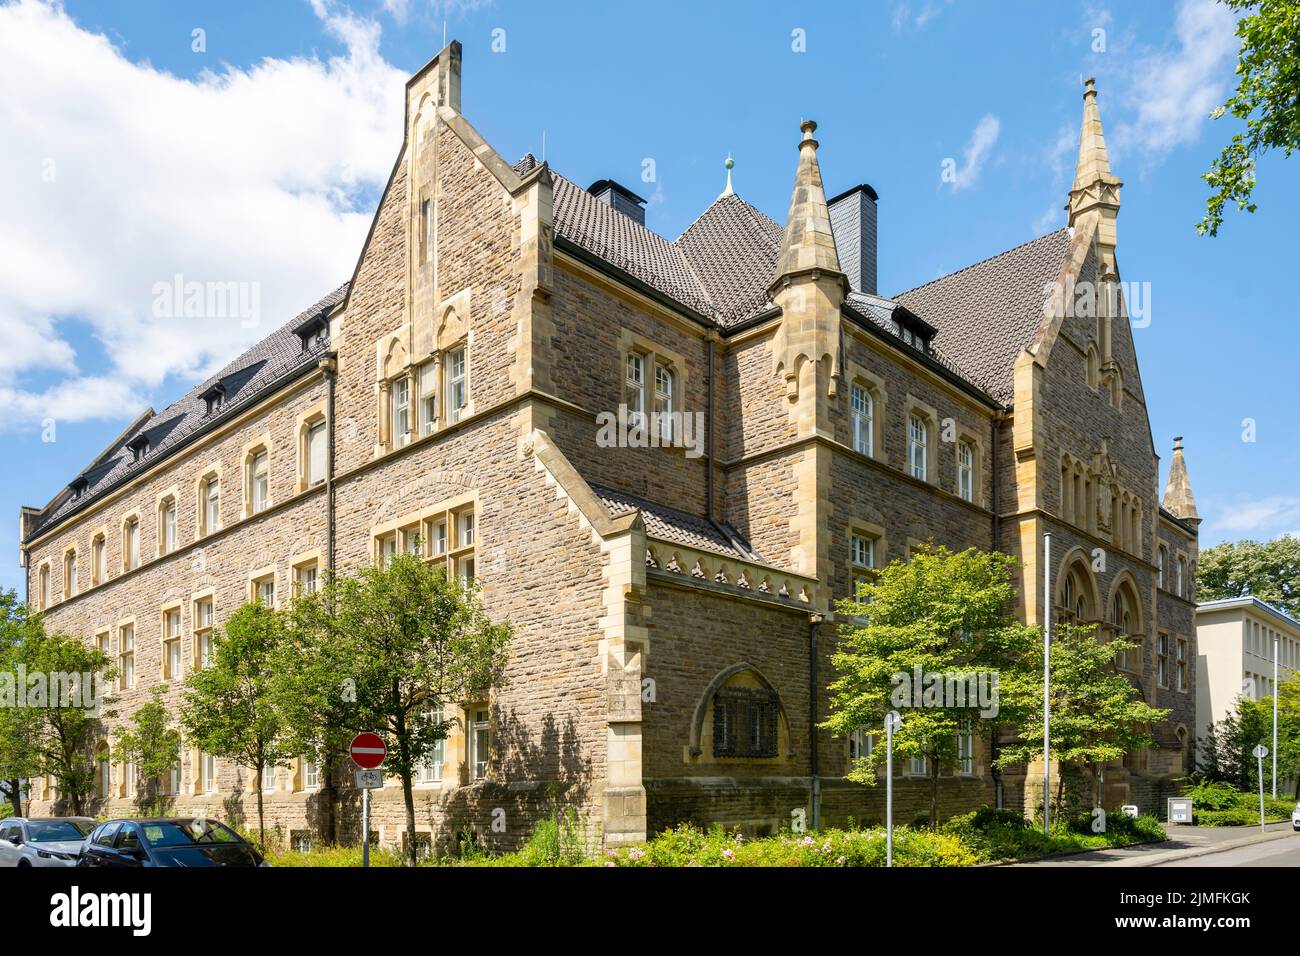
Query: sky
165	141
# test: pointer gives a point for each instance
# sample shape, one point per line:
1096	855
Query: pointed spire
808	245
1095	186
1178	489
728	191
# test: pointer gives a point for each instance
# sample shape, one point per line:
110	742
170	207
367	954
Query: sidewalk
1184	843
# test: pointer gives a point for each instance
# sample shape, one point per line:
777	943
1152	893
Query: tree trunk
1060	789
261	818
15	796
326	823
409	799
934	791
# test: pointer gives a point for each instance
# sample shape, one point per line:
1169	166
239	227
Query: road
1284	852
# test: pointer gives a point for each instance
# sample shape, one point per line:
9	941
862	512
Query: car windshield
55	831
179	833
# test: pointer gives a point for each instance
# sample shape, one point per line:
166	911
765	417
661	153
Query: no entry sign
367	750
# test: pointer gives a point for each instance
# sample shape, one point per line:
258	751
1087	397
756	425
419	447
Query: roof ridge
975	265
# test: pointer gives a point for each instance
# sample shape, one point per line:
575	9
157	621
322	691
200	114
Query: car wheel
24	863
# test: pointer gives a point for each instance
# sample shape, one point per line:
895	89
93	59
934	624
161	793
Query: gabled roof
271	361
986	313
733	248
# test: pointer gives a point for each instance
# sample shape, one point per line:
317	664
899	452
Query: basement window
745	722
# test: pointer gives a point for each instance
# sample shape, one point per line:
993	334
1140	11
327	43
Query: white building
1235	641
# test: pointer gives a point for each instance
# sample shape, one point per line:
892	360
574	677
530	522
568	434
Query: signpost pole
365	827
1275	650
1047	679
1260	753
892	720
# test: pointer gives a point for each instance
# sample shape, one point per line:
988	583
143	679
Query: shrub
1212	795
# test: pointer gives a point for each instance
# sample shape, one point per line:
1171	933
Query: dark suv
167	842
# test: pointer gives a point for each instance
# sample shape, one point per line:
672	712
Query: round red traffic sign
368	750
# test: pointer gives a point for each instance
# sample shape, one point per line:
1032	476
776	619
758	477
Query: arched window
1093	366
1124	620
739	716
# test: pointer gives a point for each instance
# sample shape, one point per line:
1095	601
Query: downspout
329	367
708	435
815	788
997	539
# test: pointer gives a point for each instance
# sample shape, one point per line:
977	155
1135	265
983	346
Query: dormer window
314	333
139	447
215	397
79	486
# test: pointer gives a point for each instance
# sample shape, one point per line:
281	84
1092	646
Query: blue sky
130	157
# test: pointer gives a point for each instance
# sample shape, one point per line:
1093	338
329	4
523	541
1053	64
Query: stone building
484	389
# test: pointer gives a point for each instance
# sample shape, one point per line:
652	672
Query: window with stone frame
479	741
746	722
305	578
430	768
315	452
862	415
1123	623
98	560
862	559
44	587
1180	665
456	372
918	767
665	384
131	544
399	410
263	589
126	657
70	573
1162	660
1181	579
861	743
167	525
965	471
918	446
209	505
1162	557
202	632
966	750
634	388
427	410
171	655
258	480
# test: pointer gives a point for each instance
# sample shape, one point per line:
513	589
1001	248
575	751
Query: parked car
42	841
1295	817
167	842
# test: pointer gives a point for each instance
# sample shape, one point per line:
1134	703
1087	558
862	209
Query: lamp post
1275	652
892	720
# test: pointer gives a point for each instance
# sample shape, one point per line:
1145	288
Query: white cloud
978	148
1264	515
1053	218
1172	91
904	17
119	175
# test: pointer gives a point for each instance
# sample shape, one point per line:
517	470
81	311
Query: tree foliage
20	727
946	614
153	746
1267	100
1269	570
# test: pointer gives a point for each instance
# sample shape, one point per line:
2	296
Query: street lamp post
1275	651
892	720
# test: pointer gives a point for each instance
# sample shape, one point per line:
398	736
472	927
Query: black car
167	842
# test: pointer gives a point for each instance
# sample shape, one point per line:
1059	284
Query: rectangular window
387	549
173	783
426	232
304	579
479	741
457	394
172	644
430	770
1162	660
167	524
70	574
862	413
260	480
965	471
310	773
864	551
438	539
465	529
207	773
131	544
126	657
264	591
211	505
1181	664
202	632
861	743
401	407
428	398
918	767
966	751
98	560
745	722
316	449
268	778
635	389
917	446
44	587
664	402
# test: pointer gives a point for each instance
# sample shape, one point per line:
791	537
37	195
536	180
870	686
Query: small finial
729	163
1090	86
1178	443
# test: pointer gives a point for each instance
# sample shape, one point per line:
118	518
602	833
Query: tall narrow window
316	448
918	437
965	471
211	510
1162	660
426	231
401	409
44	588
167	526
172	644
428	397
131	544
264	591
259	475
98	561
1180	582
310	773
202	632
304	577
966	750
1161	554
862	413
126	657
431	767
387	549
207	773
70	574
479	742
1181	664
634	389
457	395
664	402
863	558
861	743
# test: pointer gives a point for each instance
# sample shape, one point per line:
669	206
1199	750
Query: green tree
1288	730
1097	714
1269	570
228	709
152	746
1227	752
68	732
1267	100
945	614
20	727
411	639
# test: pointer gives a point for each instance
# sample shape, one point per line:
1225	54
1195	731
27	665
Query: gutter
815	785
